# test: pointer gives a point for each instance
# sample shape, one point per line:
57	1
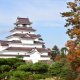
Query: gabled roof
24	21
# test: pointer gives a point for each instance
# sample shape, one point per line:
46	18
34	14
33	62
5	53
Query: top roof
24	21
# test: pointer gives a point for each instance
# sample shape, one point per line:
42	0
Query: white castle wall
15	52
35	57
44	53
26	41
25	45
13	38
22	32
7	57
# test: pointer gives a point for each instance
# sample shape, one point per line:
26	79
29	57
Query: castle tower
24	42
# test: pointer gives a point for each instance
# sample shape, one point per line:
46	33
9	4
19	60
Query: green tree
55	51
63	52
62	70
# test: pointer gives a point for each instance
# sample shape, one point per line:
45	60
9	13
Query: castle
25	43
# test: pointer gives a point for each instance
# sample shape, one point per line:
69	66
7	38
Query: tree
73	31
63	51
61	69
55	51
73	25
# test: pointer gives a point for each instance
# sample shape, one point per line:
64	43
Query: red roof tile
19	49
4	43
37	42
26	49
44	55
24	21
33	35
15	41
42	49
24	29
28	36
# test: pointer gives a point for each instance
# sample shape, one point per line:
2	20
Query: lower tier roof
27	49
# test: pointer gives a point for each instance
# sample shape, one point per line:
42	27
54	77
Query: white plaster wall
16	32
7	56
26	58
15	53
36	39
29	32
25	45
13	38
26	41
44	58
35	57
22	32
44	53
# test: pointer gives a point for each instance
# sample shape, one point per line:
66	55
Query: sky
44	14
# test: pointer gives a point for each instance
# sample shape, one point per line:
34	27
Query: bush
40	67
38	76
5	68
25	67
13	61
3	61
56	68
4	75
20	75
13	78
17	64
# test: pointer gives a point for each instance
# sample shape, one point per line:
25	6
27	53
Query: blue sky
44	14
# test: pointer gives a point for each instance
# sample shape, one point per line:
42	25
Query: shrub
3	61
38	76
20	75
25	67
56	68
39	67
5	68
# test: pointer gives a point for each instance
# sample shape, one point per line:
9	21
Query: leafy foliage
39	67
25	67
